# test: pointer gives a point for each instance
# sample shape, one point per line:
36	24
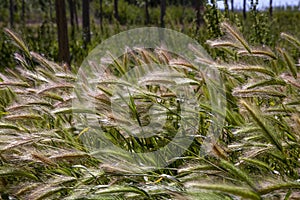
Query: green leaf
9	126
233	170
257	163
291	39
280	186
269	134
270	82
18	41
122	189
289	62
17	172
230	189
258	92
236	35
259	69
44	192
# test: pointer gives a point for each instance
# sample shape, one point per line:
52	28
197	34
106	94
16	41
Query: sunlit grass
42	154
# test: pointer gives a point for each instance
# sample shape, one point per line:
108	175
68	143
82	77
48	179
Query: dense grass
256	157
43	154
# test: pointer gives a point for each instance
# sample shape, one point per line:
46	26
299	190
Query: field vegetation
42	153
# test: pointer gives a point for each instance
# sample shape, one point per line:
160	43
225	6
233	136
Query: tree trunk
271	8
23	12
72	17
11	13
254	5
75	14
62	32
199	7
226	8
116	10
162	12
50	11
86	22
101	13
244	9
147	15
232	5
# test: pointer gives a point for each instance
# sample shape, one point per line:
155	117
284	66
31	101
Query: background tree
116	10
163	8
147	15
11	13
226	8
101	14
50	11
271	8
72	16
199	7
75	13
86	22
232	6
23	12
244	9
62	32
253	4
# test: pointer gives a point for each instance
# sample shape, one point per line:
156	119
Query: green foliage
213	18
46	147
264	97
257	156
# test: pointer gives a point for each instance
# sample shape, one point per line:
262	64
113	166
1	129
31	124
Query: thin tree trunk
86	22
62	32
76	15
101	13
271	8
162	12
11	13
72	17
232	6
244	9
226	8
116	10
147	15
198	4
50	11
254	5
23	12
